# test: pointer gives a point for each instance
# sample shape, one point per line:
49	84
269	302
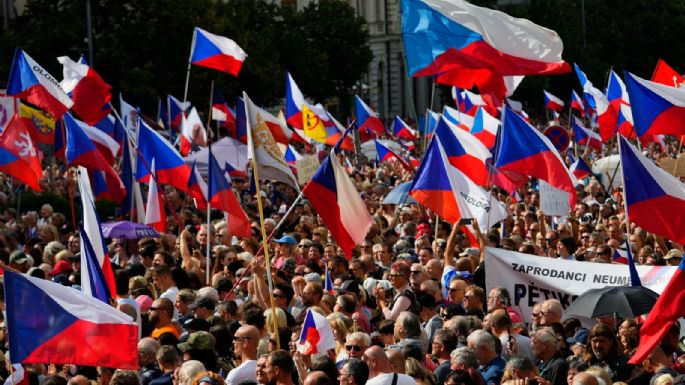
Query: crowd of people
410	306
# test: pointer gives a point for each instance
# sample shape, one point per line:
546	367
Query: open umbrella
127	230
398	195
623	301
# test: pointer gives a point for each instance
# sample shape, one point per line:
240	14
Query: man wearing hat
204	307
19	261
60	273
673	257
200	346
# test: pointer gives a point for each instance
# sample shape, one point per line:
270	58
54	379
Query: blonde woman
341	326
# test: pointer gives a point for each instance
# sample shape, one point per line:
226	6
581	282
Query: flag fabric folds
40	124
552	102
18	154
222	112
619	100
464	151
652	195
577	103
86	89
385	154
367	118
657	108
584	136
155	216
97	276
668	308
222	198
336	200
197	188
316	335
193	133
171	169
401	130
48	322
579	168
32	83
523	150
216	52
665	74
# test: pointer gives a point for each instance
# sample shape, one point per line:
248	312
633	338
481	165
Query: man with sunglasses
356	344
245	343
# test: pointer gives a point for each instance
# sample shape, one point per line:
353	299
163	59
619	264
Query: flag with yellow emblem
40	124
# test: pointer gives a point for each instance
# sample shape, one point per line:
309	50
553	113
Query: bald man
79	380
245	343
380	372
583	378
316	378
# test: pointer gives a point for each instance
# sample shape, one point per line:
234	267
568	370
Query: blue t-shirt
492	372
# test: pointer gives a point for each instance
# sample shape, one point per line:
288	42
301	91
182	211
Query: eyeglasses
356	348
155	308
239	338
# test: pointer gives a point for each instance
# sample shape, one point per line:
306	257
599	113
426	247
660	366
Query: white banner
552	200
531	279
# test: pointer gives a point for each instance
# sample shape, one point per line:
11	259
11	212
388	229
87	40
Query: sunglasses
416	271
356	348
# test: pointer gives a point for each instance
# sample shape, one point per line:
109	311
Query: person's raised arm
481	239
448	255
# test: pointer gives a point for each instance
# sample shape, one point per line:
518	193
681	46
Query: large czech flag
654	196
657	108
523	150
48	322
338	203
171	169
217	52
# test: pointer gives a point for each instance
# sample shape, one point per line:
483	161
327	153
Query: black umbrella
623	301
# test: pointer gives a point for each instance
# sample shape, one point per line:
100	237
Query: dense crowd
410	307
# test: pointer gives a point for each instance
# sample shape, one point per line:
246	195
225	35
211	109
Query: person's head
354	372
584	378
544	344
498	298
245	341
377	361
603	344
407	325
399	275
185	299
550	312
260	371
188	371
519	368
463	358
457	290
167	357
418	275
474	297
312	294
161	312
356	344
204	307
161	277
147	350
78	379
279	366
444	342
125	377
483	345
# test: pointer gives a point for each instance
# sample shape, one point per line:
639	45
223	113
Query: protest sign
552	200
306	167
531	279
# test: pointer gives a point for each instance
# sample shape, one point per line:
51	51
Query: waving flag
197	188
97	277
620	257
222	197
171	169
464	151
652	195
579	168
328	282
665	74
240	121
291	157
223	113
132	205
385	154
524	150
48	322
435	185
176	110
668	308
155	216
193	132
90	94
584	136
317	335
552	102
618	98
657	109
483	126
32	83
607	115
18	155
40	124
401	130
577	103
336	200
216	52
476	44
19	376
108	147
367	118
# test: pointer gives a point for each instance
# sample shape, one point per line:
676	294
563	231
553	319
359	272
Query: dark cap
350	286
198	341
205	302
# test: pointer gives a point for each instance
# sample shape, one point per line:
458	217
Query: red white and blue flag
216	52
607	115
32	83
620	101
222	197
328	282
48	322
90	94
171	169
401	130
155	216
577	103
316	336
657	108
193	133
552	102
367	118
336	200
223	113
579	168
384	154
464	151
652	195
584	136
197	188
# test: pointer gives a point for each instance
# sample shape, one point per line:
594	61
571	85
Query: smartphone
465	221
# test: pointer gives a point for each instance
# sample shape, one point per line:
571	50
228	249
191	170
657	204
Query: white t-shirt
170	294
386	379
245	371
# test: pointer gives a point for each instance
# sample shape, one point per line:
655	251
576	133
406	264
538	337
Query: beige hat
673	253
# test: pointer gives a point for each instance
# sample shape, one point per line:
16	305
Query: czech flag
385	154
133	201
294	104
171	169
108	147
197	188
48	322
291	157
523	150
216	52
577	103
620	257
657	109
579	168
97	276
316	335
240	121
618	98
552	102
367	118
328	282
155	216
114	129
176	110
584	136
464	151
482	125
336	200
401	130
668	308
652	194
665	74
222	112
193	133
90	94
32	83
435	185
222	197
455	36
18	154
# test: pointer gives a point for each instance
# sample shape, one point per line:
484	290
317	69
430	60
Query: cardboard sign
552	200
306	167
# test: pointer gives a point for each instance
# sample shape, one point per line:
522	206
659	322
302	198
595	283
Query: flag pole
677	157
210	134
70	191
634	276
190	59
209	210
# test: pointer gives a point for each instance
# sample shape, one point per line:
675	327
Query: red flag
18	154
665	74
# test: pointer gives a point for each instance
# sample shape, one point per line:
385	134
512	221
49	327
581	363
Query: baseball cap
198	341
470	251
205	302
18	257
287	239
673	253
61	267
